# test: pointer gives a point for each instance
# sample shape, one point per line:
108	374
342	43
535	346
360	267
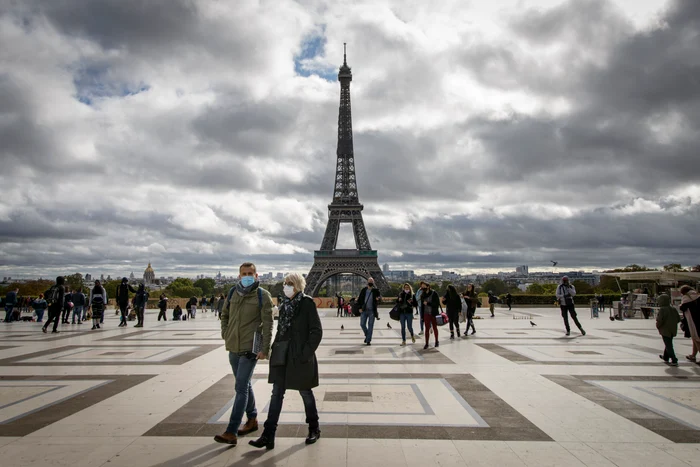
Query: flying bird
554	263
388	325
533	323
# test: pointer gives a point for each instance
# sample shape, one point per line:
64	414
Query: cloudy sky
196	134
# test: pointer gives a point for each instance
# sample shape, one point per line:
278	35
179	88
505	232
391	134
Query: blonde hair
407	285
297	281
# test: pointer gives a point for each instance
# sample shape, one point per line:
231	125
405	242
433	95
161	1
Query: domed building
149	275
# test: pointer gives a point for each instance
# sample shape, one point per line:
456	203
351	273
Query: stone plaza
513	394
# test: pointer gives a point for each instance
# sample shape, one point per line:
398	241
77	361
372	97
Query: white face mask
288	290
407	290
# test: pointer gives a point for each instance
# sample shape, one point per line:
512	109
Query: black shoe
437	344
473	332
314	435
368	343
43	329
93	328
263	442
662	358
98	326
583	333
568	333
452	336
55	332
425	347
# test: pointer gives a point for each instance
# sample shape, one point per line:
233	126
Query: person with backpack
246	328
39	305
453	305
472	300
565	296
430	308
78	304
10	303
55	299
98	302
123	299
140	302
163	306
192	307
492	303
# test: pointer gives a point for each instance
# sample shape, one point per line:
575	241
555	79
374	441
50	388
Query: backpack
51	296
260	297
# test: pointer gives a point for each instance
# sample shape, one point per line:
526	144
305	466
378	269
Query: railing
358	253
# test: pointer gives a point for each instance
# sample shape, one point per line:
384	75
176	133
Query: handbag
394	313
442	319
278	357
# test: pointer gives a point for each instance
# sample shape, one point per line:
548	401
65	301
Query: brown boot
226	438
250	426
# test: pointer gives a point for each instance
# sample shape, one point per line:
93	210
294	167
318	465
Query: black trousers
65	315
567	310
162	313
54	315
669	353
273	414
139	315
453	316
122	309
470	320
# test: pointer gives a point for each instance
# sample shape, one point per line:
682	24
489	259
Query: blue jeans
273	415
78	311
8	313
244	401
364	317
39	315
406	319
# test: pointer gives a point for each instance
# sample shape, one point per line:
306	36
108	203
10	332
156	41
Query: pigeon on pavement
533	323
342	327
388	325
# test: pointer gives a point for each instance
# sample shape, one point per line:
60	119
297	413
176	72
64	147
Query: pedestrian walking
123	300
55	298
246	327
492	303
293	363
565	295
220	305
509	301
430	308
369	300
98	303
472	300
690	306
140	302
405	302
163	307
453	305
667	323
79	301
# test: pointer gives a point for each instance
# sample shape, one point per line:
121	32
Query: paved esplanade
513	395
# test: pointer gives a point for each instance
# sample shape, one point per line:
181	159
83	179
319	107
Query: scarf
240	290
691	296
289	311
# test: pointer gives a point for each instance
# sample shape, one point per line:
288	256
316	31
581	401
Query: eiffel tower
345	208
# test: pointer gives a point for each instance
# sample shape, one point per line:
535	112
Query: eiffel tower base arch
327	267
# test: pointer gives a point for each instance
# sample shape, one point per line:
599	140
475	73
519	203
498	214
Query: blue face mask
247	281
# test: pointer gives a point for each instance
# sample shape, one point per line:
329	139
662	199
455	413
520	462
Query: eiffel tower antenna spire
344	208
345	53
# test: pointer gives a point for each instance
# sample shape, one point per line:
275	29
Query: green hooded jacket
668	318
242	317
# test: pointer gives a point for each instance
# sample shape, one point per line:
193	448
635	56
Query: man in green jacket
667	323
246	328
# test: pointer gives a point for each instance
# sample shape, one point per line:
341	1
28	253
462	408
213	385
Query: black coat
452	304
376	296
434	300
407	299
694	309
305	333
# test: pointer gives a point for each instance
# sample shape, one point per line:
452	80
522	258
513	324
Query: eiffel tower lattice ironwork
345	208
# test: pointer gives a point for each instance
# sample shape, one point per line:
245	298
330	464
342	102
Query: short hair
297	280
248	265
685	289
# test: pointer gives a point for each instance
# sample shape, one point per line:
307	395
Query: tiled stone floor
511	395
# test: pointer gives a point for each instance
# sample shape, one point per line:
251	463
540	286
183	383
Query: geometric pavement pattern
511	394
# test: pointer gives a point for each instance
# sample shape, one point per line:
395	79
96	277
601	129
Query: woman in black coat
453	303
293	363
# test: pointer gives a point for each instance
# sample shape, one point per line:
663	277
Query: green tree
535	289
183	288
582	287
74	281
111	288
207	285
674	267
497	286
277	289
632	268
